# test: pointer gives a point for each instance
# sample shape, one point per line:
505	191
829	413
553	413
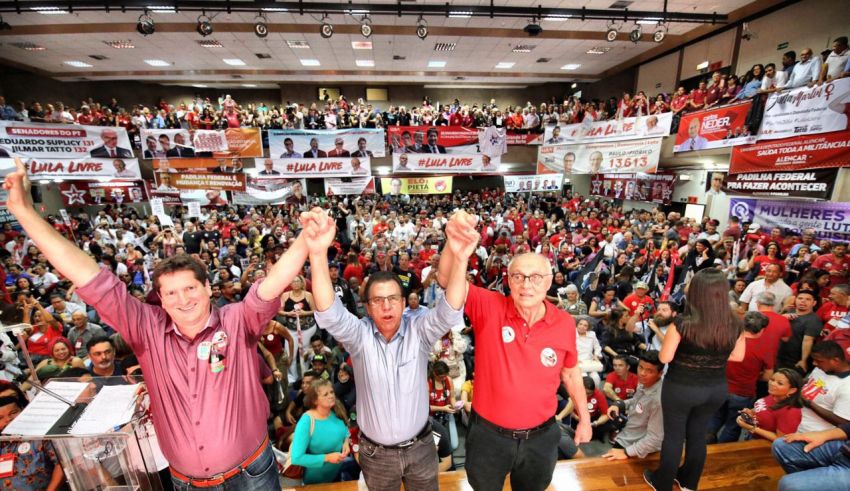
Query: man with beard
665	314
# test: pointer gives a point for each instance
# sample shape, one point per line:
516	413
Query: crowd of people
224	112
638	284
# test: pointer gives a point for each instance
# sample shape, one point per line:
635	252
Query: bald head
525	263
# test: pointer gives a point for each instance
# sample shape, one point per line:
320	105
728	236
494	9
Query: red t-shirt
632	303
534	226
831	263
698	97
742	375
624	389
830	314
597	405
516	362
439	397
785	420
38	342
778	328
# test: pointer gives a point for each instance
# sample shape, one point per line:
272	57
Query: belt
426	431
219	479
515	434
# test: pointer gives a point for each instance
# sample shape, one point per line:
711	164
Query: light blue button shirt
391	376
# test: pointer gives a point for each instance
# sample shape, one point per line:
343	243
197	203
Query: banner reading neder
714	128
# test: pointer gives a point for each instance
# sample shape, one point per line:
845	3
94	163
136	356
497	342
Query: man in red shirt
641	307
832	312
778	328
697	99
620	384
837	263
524	348
535	224
680	101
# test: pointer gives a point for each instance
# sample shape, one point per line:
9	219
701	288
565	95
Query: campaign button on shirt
508	334
548	357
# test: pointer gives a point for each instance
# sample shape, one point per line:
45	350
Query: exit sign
782	45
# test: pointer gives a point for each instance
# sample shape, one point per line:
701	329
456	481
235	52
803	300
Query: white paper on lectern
44	410
112	406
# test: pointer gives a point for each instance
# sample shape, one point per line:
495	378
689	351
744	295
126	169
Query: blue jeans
725	418
385	469
260	475
824	468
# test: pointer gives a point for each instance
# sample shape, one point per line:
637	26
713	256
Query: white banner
445	163
625	157
807	111
610	130
63	141
84	169
301	167
353	142
355	185
534	184
269	191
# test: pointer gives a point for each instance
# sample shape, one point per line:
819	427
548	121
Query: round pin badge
270	337
219	340
508	334
548	357
24	447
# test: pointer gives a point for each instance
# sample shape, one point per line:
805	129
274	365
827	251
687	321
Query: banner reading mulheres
63	141
445	163
625	157
355	185
416	185
85	168
797	153
306	167
610	130
305	143
655	188
102	193
533	184
807	111
714	128
830	220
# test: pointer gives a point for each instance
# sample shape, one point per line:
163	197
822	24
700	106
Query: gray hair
571	288
767	299
842	288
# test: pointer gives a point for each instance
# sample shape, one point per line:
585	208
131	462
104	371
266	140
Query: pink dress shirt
206	423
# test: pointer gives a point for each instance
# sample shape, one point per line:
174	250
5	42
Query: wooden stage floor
736	466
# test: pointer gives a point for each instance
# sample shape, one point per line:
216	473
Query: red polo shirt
624	389
632	302
517	367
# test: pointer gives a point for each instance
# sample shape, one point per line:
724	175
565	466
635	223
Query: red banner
715	128
524	138
416	139
81	193
798	153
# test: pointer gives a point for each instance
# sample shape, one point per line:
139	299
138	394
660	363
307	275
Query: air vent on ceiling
598	50
460	78
524	48
444	46
98	57
120	44
544	60
263	56
399	58
236	76
29	46
621	4
209	43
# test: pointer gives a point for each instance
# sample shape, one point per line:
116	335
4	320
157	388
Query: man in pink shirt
199	361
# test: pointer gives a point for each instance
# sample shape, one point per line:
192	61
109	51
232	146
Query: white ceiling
474	57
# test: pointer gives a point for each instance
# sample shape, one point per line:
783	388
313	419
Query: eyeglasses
535	278
379	301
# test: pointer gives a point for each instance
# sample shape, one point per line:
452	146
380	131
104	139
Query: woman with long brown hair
695	385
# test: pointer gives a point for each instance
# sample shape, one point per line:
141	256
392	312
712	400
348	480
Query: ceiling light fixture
533	28
49	10
366	26
157	63
611	34
365	63
162	9
78	64
421	28
436	64
233	61
145	26
636	33
310	62
204	27
571	66
261	29
505	64
660	33
460	14
4	26
327	29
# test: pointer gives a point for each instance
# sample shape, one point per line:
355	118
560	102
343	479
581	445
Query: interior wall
719	48
659	75
611	86
808	24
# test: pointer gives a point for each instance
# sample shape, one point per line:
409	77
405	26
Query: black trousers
687	409
490	456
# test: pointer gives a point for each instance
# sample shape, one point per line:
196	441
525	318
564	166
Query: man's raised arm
68	259
460	226
319	232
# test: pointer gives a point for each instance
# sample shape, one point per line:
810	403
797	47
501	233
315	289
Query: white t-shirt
830	392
